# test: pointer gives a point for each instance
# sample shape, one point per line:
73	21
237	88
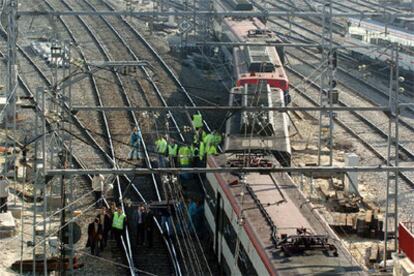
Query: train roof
242	27
269	129
275	197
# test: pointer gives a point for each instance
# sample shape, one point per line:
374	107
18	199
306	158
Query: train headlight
401	90
401	79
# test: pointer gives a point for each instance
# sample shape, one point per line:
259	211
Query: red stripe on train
282	84
247	227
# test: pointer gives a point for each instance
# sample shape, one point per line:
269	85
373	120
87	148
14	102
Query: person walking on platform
135	142
161	146
98	187
118	225
149	226
4	193
172	154
106	221
140	220
94	236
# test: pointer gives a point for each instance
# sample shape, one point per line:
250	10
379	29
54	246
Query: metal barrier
406	239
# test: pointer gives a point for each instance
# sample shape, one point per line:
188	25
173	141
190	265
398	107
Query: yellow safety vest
161	145
211	150
201	151
197	121
172	150
118	221
217	139
184	154
208	139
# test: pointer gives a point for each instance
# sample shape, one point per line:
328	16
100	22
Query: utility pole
328	94
11	60
391	207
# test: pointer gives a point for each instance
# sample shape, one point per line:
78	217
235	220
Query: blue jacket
135	138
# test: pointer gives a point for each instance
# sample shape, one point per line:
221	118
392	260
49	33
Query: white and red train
252	64
261	223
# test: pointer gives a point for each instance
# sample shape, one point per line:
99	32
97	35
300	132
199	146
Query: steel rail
309	19
346	127
227	108
133	116
127	245
160	61
343	54
33	99
306	169
241	14
167	68
170	247
378	130
144	70
382	93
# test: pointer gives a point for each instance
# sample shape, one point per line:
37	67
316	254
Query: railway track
83	184
306	32
145	192
131	53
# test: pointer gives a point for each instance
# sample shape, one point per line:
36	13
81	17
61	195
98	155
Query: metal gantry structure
53	108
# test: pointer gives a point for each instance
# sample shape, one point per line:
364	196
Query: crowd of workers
188	155
109	223
113	222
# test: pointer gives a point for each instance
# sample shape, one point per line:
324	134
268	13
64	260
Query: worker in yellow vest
199	135
211	149
197	121
161	147
216	138
184	156
172	153
198	151
208	139
118	225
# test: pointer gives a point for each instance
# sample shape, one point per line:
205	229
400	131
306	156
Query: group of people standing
185	155
98	231
108	222
144	220
112	223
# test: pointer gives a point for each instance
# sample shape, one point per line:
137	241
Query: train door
218	217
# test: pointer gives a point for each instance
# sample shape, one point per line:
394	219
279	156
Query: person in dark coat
140	221
105	220
94	236
149	226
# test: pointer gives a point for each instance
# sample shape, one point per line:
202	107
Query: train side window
357	36
230	236
245	265
211	198
383	42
